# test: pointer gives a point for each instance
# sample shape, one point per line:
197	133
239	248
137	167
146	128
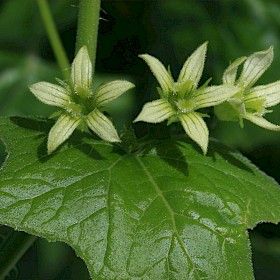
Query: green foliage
166	211
170	30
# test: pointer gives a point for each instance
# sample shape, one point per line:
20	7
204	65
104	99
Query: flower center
81	104
83	92
185	90
185	105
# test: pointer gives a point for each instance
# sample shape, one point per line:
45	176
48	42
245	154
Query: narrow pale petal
102	126
61	131
262	122
254	66
81	71
163	77
269	92
193	67
196	128
229	76
155	112
214	95
50	94
110	91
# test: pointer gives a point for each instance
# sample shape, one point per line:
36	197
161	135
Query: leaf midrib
170	211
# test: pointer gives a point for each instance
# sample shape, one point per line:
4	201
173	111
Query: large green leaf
167	212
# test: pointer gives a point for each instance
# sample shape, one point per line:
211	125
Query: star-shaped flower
250	102
180	100
81	106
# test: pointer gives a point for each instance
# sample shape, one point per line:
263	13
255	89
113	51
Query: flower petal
81	71
229	76
111	90
213	95
102	126
262	122
155	112
61	131
50	94
193	67
254	66
269	92
163	77
196	129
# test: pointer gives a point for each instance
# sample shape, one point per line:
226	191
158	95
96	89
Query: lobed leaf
170	213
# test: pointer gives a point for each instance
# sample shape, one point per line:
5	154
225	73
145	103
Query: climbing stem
54	38
88	27
13	247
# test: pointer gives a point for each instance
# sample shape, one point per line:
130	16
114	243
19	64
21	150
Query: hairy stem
54	38
13	248
88	27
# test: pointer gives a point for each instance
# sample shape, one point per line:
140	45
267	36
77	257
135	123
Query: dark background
169	30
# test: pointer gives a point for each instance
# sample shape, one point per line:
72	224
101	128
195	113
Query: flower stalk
87	30
54	38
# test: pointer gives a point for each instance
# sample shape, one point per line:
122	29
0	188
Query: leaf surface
166	213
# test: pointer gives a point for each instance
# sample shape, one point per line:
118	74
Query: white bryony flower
250	102
180	100
81	106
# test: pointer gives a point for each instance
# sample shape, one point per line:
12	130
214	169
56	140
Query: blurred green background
169	30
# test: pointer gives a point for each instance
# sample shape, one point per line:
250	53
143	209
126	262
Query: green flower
250	102
180	100
81	106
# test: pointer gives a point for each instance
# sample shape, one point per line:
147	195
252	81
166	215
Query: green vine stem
54	38
88	27
15	245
